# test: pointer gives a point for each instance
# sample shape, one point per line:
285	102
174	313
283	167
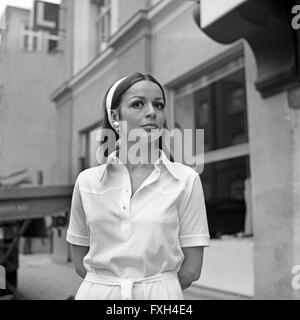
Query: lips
150	126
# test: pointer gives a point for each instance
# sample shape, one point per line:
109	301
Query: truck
18	207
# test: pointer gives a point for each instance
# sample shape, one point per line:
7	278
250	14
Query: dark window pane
26	41
34	43
230	111
223	185
184	115
52	45
220	109
204	116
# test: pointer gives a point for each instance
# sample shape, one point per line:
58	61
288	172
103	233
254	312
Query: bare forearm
191	267
81	272
186	276
78	254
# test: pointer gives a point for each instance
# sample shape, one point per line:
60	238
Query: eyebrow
141	97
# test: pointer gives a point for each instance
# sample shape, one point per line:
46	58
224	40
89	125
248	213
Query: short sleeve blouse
139	235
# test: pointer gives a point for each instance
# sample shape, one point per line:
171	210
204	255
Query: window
224	189
216	102
92	147
39	41
89	144
31	40
103	22
52	43
221	112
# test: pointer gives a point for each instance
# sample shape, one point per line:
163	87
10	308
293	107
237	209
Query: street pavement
43	277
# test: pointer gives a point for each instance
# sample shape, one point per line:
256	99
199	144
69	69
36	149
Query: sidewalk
42	277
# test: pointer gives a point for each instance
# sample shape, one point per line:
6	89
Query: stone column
294	119
273	93
274	138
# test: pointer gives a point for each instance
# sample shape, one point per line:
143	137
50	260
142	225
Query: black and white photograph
149	150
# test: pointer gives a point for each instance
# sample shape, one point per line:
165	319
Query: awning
266	25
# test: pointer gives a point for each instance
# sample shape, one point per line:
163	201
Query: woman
137	230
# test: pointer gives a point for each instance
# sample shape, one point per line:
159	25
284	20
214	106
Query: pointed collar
167	163
114	159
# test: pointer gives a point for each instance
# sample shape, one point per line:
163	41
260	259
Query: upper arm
192	214
193	260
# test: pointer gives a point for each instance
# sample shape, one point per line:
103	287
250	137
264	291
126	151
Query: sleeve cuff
195	240
77	239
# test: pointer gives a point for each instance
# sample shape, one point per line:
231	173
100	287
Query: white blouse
143	235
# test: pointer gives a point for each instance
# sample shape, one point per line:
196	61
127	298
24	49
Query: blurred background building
28	74
252	147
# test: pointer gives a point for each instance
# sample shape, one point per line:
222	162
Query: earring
117	126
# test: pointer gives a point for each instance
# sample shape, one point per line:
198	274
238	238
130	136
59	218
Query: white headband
109	99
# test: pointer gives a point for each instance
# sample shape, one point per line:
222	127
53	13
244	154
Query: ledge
61	92
204	293
128	31
67	87
35	192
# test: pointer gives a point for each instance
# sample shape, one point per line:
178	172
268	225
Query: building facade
29	72
209	86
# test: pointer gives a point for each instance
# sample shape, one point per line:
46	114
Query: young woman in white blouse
137	230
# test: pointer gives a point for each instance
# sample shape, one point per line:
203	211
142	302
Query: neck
137	156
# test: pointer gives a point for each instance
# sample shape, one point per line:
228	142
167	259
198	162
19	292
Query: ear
115	115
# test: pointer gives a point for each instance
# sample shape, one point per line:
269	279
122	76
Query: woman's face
142	107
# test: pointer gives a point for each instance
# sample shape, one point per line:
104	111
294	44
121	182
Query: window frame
226	153
52	37
204	80
85	142
104	11
31	35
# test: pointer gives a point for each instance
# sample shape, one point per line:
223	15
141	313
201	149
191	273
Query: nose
150	110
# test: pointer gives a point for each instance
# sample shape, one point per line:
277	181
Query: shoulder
184	172
89	177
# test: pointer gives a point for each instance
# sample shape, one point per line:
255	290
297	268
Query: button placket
126	223
126	202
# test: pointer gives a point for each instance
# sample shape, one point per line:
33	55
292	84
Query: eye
159	105
137	104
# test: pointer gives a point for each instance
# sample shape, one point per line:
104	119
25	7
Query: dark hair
121	89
